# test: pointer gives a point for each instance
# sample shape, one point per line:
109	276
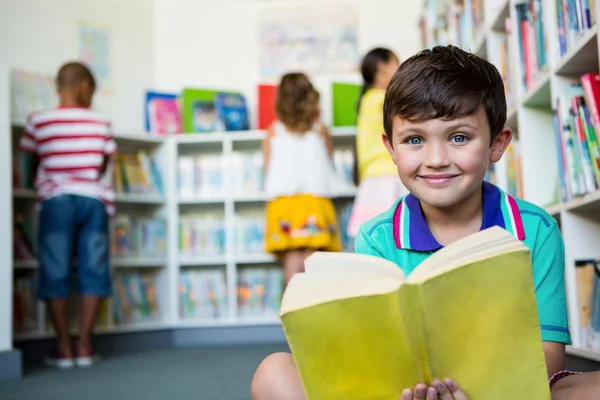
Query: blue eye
414	140
459	138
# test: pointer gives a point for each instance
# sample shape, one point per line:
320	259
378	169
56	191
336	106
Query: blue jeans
72	225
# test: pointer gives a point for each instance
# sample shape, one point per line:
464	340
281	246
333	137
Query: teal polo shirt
401	235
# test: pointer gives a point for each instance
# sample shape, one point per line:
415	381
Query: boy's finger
457	392
407	394
420	392
432	394
443	390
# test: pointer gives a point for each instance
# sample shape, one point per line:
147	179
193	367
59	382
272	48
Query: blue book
232	111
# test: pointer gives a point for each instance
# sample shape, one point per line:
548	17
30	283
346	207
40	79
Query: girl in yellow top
299	178
379	185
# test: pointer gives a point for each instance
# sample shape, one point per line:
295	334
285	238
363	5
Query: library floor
203	373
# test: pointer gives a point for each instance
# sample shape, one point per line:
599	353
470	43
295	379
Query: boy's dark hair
72	73
445	82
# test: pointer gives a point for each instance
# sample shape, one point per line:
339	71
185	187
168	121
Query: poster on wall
94	51
314	40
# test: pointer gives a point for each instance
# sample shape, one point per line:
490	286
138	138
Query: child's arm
548	259
328	139
110	148
266	147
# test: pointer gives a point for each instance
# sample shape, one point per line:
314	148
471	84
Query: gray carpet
196	373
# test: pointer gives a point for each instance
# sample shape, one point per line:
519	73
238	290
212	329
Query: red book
591	88
267	95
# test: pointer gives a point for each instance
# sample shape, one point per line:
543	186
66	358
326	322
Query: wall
39	35
214	43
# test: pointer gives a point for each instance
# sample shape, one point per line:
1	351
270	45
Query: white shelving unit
531	117
171	207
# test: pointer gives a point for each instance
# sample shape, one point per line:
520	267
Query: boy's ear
388	145
500	144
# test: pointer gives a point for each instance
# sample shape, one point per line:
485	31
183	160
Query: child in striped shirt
72	146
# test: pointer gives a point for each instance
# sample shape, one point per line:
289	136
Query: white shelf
20	193
589	354
202	260
139	262
25	264
201	200
139	198
127	328
254	259
171	206
582	57
539	93
224	322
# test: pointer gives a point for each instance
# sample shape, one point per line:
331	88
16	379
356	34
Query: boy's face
443	162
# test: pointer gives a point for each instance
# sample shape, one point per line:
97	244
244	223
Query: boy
444	115
72	146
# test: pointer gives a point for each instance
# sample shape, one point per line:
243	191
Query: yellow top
373	158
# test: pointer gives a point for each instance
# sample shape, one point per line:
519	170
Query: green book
344	98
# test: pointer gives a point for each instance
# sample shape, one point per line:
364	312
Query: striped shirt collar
412	233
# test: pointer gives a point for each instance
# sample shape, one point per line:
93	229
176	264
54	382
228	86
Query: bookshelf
491	29
223	266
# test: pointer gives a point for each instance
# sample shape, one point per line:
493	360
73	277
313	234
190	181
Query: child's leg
277	379
55	247
581	386
94	268
293	262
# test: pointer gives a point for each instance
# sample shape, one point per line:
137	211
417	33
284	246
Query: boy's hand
447	390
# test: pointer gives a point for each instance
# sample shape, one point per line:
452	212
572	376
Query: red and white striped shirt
71	143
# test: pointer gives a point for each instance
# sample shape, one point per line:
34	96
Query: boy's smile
443	162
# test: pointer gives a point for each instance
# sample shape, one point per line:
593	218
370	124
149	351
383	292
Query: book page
351	264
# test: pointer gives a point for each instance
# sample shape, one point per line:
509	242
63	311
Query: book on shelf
247	172
135	297
574	19
266	98
576	127
138	237
163	113
137	173
202	234
23	242
343	163
359	317
531	35
200	175
249	231
259	291
202	294
232	111
25	303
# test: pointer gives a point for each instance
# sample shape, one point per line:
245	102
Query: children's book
359	329
232	111
163	114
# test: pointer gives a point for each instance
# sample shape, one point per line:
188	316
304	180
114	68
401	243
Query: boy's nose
436	156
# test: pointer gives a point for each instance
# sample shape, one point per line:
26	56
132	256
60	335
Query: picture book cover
344	97
232	111
267	97
163	114
199	110
205	117
358	328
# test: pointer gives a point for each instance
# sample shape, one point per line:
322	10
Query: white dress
298	164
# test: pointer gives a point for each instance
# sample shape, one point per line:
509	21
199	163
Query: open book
360	330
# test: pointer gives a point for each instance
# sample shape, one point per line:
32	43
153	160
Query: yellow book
359	330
